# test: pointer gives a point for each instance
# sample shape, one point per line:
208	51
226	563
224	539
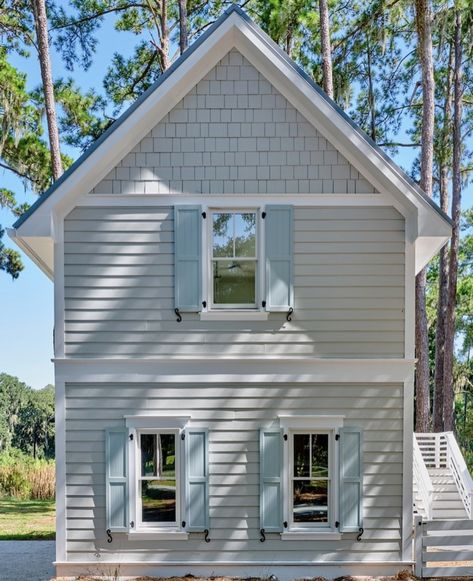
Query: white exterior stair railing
460	473
422	479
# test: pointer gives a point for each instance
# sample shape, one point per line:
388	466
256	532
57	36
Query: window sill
311	536
158	535
234	315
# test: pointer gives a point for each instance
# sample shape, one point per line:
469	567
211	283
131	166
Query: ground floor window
310	481
157	481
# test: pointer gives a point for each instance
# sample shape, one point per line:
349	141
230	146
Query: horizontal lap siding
234	415
349	288
234	133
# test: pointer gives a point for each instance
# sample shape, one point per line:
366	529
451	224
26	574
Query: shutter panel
351	479
197	479
279	258
271	481
188	258
116	471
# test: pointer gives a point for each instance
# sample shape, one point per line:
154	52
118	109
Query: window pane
223	235
311	501
167	443
320	455
149	458
301	455
158	499
245	235
234	282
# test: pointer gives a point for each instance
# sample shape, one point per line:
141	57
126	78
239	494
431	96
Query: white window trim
156	424
325	424
232	312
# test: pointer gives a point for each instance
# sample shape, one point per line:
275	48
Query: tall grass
24	478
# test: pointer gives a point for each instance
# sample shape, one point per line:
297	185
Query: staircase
443	488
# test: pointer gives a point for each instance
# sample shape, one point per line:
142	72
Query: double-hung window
157	485
311	465
234	264
233	261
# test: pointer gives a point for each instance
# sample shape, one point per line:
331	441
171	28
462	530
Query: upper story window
234	259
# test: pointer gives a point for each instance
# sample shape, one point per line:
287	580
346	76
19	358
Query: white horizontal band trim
253	200
156	422
230	563
226	370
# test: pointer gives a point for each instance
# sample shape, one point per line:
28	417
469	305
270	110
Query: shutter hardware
178	314
263	304
183	524
109	535
337	437
285	524
204	304
337	524
206	536
204	215
131	436
263	537
183	437
132	524
285	437
263	215
289	313
361	531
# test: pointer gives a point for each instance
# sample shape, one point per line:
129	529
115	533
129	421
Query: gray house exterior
234	267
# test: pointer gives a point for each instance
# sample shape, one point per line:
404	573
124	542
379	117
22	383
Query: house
234	271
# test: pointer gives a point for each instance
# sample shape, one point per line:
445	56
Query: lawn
22	520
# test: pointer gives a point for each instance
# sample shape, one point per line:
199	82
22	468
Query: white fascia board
39	249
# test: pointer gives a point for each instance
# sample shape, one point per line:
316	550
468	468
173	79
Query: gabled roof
234	29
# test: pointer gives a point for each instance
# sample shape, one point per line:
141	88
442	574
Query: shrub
24	478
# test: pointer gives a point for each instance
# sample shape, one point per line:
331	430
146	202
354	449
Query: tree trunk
456	215
164	36
41	25
326	48
424	33
443	261
183	39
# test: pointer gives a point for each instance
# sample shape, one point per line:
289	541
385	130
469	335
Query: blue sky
27	303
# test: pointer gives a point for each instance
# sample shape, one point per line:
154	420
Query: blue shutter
279	242
116	474
351	479
188	258
197	479
271	481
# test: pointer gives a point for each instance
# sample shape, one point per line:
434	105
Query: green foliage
24	477
26	417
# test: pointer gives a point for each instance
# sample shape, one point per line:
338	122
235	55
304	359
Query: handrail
425	487
460	472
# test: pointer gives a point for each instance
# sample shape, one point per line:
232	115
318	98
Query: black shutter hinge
204	304
132	524
204	215
263	303
263	215
284	524
178	315
337	437
131	436
109	536
285	437
337	524
183	524
183	437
